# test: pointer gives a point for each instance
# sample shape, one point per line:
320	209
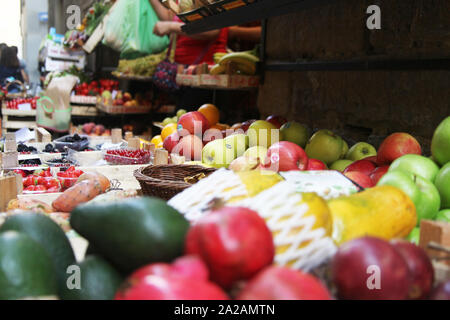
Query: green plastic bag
129	29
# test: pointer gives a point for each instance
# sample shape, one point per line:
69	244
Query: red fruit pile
40	181
14	104
95	88
127	157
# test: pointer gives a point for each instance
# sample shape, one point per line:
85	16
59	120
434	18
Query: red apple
286	156
314	164
277	121
246	125
211	135
378	173
190	147
370	269
420	268
360	178
194	122
171	141
99	129
397	145
363	166
372	159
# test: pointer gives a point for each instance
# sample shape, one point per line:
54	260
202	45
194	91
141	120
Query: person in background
200	48
10	65
2	47
23	66
190	48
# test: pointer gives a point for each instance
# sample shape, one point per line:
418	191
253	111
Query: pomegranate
370	269
420	268
234	242
280	283
188	266
171	287
185	279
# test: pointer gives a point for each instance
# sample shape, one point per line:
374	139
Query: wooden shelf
18	113
259	10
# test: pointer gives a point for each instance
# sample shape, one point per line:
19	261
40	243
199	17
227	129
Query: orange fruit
168	130
211	113
157	140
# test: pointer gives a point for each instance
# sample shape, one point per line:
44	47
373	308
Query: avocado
26	269
98	281
49	235
132	233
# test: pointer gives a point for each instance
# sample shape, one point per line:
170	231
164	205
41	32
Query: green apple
344	149
442	183
181	112
419	165
237	142
325	146
421	191
360	151
257	152
216	154
167	121
295	132
414	236
440	144
443	215
175	119
263	133
341	165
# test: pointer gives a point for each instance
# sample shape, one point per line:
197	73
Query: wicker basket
166	181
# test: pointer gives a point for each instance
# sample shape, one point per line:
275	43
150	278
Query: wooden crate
16	124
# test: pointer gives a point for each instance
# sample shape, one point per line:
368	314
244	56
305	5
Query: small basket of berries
127	157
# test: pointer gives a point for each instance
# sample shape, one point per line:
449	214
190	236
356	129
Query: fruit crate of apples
127	157
125	103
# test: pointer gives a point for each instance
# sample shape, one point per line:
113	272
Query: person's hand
162	28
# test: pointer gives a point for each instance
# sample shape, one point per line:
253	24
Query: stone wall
359	104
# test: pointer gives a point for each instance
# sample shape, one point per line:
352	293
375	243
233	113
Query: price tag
24	107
